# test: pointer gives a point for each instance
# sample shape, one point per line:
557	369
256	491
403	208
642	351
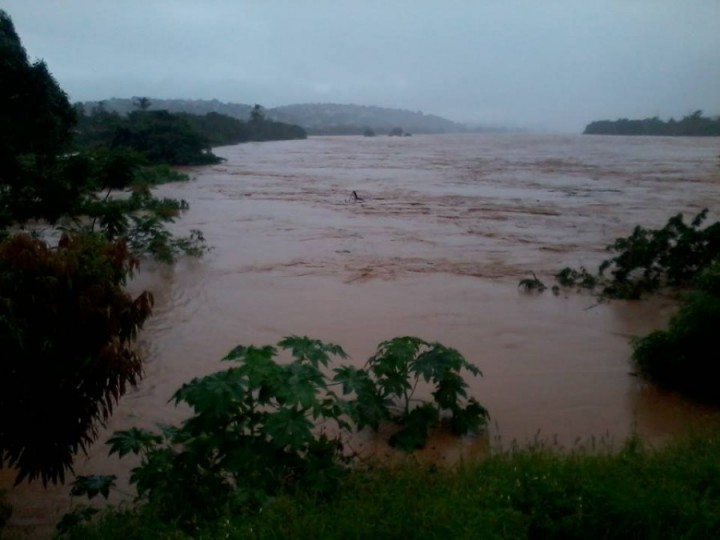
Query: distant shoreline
693	125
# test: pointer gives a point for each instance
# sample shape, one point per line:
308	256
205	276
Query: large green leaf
352	379
259	366
416	428
133	440
449	390
470	418
216	395
242	353
301	385
369	409
395	354
313	350
93	485
289	427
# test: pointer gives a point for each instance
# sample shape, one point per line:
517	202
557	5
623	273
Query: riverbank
536	491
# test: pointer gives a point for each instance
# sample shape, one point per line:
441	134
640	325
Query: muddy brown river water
447	227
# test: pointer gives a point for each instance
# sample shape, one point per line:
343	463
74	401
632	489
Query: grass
533	492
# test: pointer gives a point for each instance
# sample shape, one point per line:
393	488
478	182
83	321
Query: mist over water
446	228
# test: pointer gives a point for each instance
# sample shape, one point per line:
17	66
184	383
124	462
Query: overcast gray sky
543	64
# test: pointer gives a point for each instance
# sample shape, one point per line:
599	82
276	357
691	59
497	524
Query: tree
36	121
257	114
67	328
142	103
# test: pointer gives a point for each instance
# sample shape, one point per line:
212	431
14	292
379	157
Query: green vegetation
67	325
571	277
532	284
678	255
681	358
158	136
67	329
262	129
42	178
263	428
35	131
694	124
529	492
219	129
389	382
650	259
175	139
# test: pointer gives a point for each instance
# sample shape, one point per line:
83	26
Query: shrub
682	357
650	259
261	428
394	372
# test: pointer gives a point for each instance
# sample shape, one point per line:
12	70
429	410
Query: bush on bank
682	357
680	257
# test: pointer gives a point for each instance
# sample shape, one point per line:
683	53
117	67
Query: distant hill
693	125
336	119
315	118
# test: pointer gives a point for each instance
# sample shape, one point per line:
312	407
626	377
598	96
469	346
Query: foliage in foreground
67	329
262	428
650	259
67	325
5	511
43	179
683	357
532	492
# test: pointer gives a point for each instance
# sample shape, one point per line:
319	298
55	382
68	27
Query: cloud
557	64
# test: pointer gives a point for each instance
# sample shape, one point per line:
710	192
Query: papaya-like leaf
93	485
468	419
243	353
82	514
313	350
351	378
449	390
301	385
434	362
395	354
289	427
133	440
369	409
416	428
259	366
214	395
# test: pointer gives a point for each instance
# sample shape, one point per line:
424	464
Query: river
446	228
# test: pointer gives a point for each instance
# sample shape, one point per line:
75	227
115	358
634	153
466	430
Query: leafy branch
650	259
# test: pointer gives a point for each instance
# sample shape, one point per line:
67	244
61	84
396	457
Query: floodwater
446	228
